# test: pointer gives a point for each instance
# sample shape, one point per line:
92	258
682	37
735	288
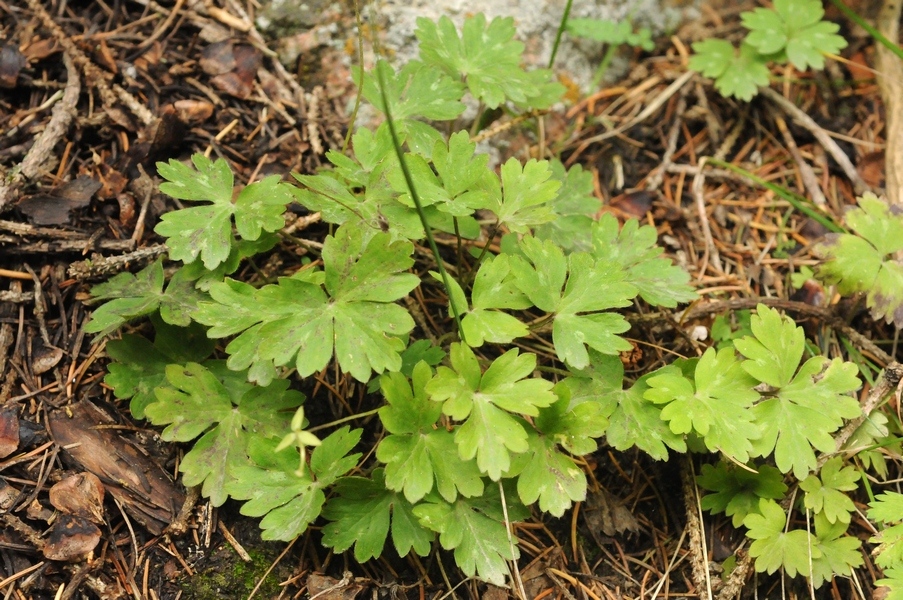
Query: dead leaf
239	81
871	169
193	111
329	588
634	204
71	539
41	49
218	58
9	431
11	62
43	357
603	512
80	495
130	475
54	208
104	57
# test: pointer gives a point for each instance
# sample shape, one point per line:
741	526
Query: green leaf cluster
793	31
865	261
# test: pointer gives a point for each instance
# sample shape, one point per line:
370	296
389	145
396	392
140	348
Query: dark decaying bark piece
144	489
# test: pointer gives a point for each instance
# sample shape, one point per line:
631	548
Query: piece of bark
146	491
71	539
9	431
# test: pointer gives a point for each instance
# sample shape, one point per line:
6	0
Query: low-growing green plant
476	428
613	35
791	32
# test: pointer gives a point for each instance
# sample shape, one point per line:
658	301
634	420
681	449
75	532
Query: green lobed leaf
737	491
825	493
775	548
417	455
527	190
795	28
840	553
487	59
415	91
360	515
551	477
716	408
489	431
273	489
574	208
775	348
474	528
736	73
574	421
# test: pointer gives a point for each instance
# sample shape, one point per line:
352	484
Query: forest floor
95	93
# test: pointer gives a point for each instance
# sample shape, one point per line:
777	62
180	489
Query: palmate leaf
736	73
634	249
774	547
139	366
415	91
206	231
864	262
273	489
475	529
551	477
574	207
360	514
795	28
840	553
715	405
632	420
527	190
737	491
295	322
487	59
493	289
575	420
210	400
591	288
825	493
418	456
484	402
803	411
131	296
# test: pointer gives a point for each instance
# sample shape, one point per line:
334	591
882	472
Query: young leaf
716	408
487	59
611	32
840	553
825	492
489	432
736	73
738	491
795	28
865	262
360	513
494	288
417	456
139	366
291	502
773	547
207	398
475	530
775	351
591	287
634	250
206	231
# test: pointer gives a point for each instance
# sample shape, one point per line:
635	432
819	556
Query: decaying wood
146	491
890	80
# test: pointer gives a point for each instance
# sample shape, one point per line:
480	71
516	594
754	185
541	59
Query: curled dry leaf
9	433
80	495
71	539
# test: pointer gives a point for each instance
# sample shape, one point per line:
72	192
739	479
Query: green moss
227	576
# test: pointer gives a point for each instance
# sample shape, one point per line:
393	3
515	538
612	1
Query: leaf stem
409	181
560	32
362	415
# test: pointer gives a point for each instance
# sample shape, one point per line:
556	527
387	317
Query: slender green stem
560	32
362	415
360	88
409	181
872	31
798	202
603	66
